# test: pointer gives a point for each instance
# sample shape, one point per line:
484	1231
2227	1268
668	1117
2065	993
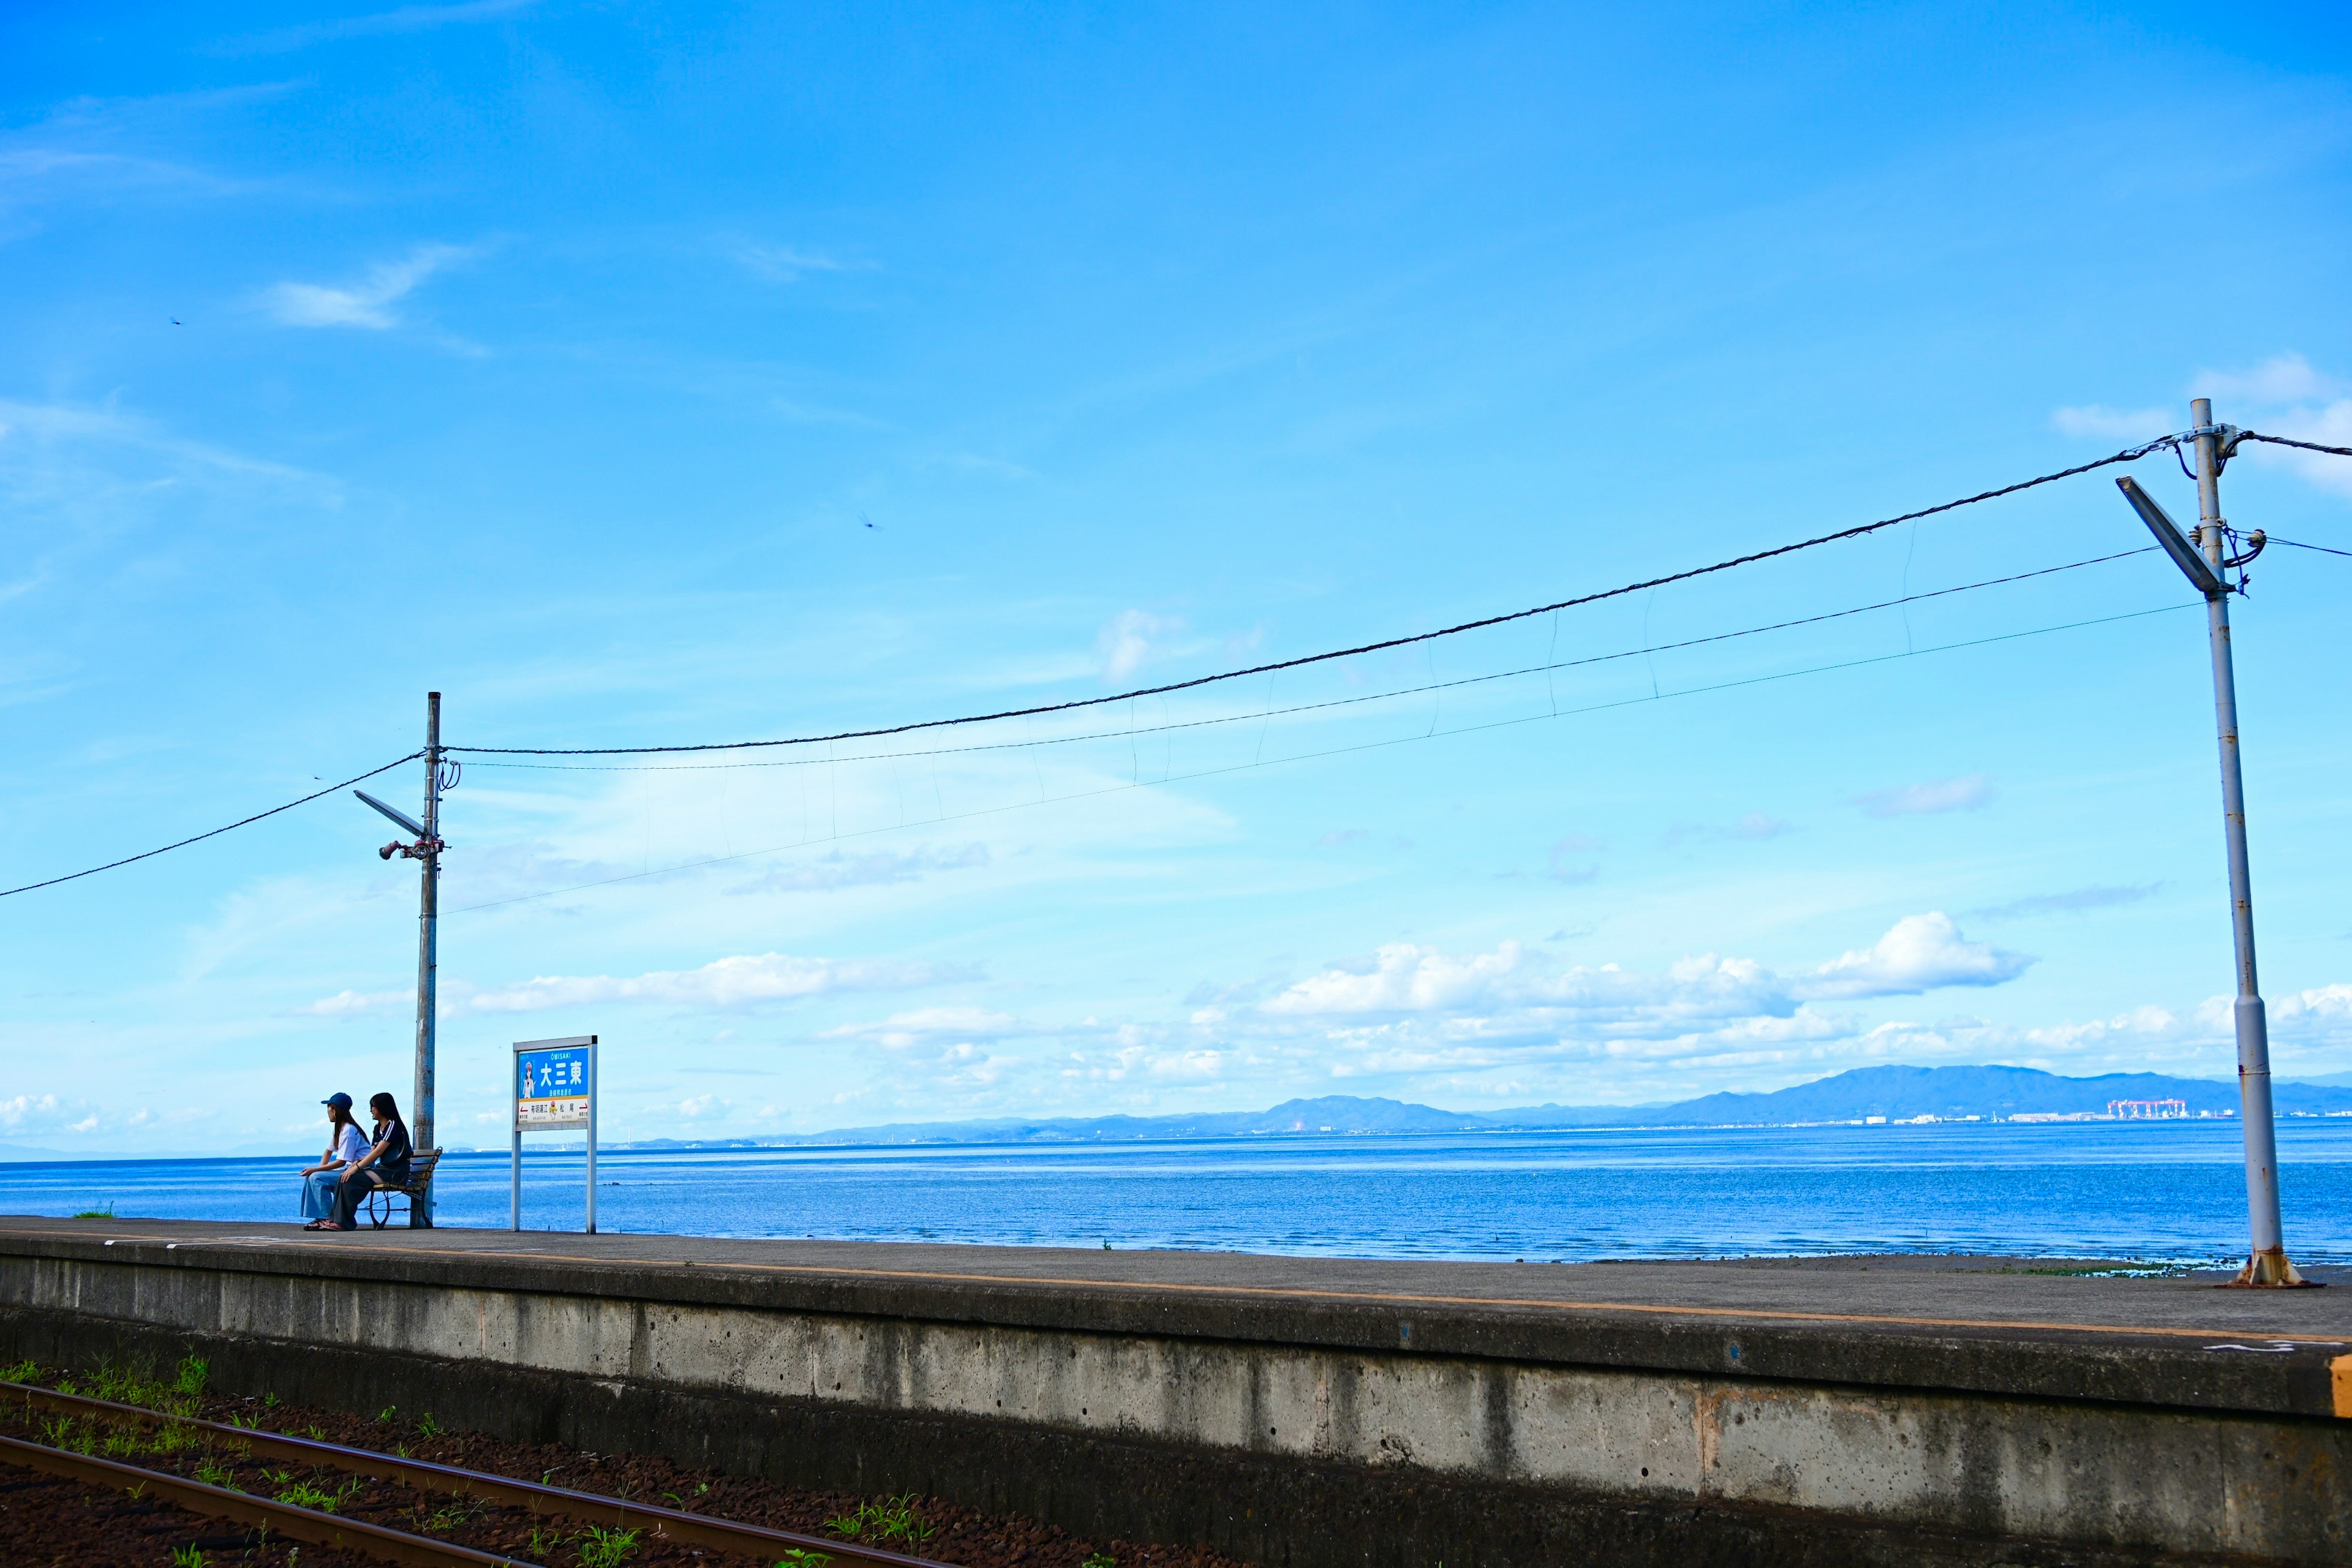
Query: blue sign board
552	1088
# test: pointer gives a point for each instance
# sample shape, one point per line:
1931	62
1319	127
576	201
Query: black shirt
394	1160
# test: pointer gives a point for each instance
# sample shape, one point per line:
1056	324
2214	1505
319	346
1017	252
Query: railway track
289	1519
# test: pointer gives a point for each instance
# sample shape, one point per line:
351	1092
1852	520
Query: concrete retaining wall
1280	1452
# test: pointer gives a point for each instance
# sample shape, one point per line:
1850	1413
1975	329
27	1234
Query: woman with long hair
386	1164
345	1144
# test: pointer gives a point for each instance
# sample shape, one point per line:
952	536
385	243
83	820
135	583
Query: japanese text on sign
551	1089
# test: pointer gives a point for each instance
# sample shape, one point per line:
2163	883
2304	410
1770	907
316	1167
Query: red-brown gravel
954	1533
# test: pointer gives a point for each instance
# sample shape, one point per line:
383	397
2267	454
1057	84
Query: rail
284	1518
674	1524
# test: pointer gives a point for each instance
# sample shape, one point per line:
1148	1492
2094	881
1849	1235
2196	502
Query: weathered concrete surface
1308	1411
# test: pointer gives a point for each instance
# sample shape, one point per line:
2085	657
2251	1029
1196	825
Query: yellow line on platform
2342	1366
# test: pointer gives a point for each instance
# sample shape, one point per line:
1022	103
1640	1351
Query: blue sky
639	376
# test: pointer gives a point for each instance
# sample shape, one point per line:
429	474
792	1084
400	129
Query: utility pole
2267	1264
2206	563
420	1214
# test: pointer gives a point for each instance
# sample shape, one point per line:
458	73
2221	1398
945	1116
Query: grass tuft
892	1519
602	1548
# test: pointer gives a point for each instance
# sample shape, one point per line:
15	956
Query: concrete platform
1312	1411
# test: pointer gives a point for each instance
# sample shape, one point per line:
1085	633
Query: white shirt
350	1144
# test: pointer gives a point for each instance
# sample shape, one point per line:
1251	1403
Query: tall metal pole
428	942
2267	1264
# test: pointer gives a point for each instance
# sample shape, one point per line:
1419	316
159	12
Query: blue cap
339	1100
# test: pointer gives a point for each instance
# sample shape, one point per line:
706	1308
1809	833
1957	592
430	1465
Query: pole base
2271	1271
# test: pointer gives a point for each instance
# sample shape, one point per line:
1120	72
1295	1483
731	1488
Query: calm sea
2169	1191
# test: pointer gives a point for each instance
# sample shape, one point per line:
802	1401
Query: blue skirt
319	1195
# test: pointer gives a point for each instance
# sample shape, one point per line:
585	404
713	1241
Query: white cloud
66	424
2282	395
1751	824
401	20
2282	378
742	981
367	304
2067	903
943	1044
1127	641
2330	426
927	1021
837	870
15	1111
1511	992
2320	1007
355	1004
788	263
1403	978
1923	799
1921	953
2096	419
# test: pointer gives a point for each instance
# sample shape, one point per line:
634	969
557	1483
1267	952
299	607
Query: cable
215	832
2298	544
2129	455
1333	702
2286	441
1332	751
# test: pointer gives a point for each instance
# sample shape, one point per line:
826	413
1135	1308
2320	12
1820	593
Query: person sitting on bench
386	1164
345	1144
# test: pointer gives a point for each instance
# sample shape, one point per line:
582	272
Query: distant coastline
1863	1097
1878	1096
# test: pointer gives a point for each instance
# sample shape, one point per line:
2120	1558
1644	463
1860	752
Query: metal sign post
554	1091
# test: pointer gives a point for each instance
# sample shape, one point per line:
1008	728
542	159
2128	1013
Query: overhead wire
2290	441
1268	713
214	833
2130	454
2299	544
1408	738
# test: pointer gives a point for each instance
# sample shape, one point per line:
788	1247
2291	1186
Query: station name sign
553	1082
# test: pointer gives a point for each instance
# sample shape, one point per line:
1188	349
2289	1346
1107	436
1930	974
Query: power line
1331	751
1334	702
2298	544
215	832
2129	455
2288	441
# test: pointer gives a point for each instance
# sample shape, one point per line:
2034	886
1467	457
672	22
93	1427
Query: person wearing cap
345	1144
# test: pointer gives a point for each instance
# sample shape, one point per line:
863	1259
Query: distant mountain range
1894	1093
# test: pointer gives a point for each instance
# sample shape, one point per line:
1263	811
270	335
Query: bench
420	1180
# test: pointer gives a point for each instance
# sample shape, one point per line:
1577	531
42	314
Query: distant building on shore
2148	1110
